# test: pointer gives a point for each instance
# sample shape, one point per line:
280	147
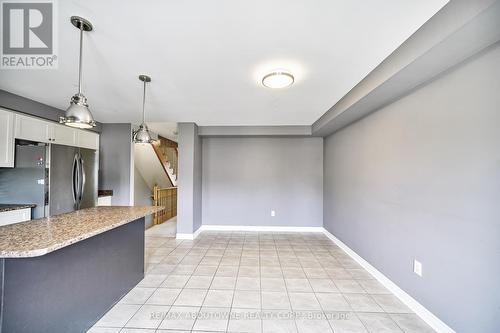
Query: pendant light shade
78	113
142	135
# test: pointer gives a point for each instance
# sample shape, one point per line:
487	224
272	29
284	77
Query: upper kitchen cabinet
32	129
87	139
6	139
63	135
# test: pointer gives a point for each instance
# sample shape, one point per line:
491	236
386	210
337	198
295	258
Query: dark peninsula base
68	290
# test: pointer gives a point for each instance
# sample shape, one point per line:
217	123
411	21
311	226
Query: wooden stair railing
166	151
166	197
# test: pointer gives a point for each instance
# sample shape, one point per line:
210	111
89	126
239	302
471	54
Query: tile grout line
153	293
282	246
342	294
234	291
175	266
287	293
140	307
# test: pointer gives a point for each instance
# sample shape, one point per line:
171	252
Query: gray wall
245	178
189	179
420	179
115	159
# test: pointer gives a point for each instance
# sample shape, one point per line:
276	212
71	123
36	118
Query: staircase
167	153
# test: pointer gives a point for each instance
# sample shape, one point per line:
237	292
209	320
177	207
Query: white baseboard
415	306
246	228
427	316
259	228
184	236
188	236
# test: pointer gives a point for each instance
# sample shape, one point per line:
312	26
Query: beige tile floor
255	282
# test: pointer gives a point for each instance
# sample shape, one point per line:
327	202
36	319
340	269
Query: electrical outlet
273	213
417	267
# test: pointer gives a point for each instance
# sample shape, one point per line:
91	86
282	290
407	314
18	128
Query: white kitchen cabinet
6	139
63	135
32	129
104	201
15	216
87	139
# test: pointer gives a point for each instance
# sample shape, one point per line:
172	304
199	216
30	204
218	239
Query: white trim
247	228
207	227
184	236
189	236
427	316
197	232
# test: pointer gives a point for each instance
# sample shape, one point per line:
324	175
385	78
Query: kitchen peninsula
62	273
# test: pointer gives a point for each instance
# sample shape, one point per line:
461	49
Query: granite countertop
9	207
41	236
105	193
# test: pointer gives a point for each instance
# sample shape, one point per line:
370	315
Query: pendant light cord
80	61
143	103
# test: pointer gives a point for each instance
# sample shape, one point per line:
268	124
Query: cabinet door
63	135
87	139
15	216
6	139
32	129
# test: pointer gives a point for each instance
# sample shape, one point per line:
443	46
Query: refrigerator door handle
82	180
74	180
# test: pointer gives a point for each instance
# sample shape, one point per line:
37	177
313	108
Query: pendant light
78	113
142	135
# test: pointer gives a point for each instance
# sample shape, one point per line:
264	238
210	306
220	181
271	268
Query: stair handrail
162	148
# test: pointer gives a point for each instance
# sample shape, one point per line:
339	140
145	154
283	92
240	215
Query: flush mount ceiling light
78	113
142	135
278	79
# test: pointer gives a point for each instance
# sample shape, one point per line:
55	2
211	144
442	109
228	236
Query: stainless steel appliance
58	179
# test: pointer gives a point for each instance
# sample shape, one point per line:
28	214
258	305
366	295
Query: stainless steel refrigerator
58	179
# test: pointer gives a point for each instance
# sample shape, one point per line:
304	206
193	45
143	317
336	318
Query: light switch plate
417	267
273	213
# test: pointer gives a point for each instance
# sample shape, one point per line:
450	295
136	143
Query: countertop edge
43	251
37	252
14	207
104	193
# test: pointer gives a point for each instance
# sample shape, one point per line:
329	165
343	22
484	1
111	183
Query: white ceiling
207	58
